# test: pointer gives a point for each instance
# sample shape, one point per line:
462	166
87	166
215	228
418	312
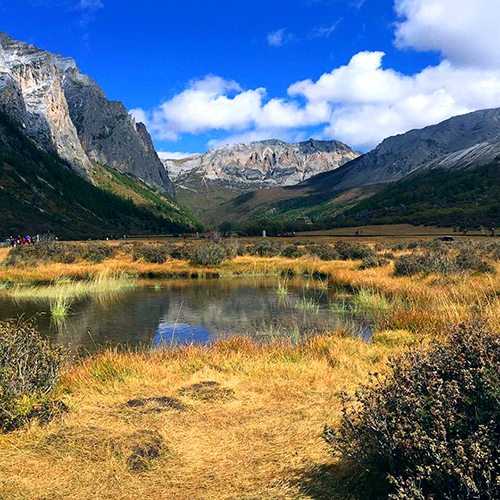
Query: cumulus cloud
279	38
361	102
370	103
463	31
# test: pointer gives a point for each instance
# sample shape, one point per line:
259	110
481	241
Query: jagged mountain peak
228	171
66	112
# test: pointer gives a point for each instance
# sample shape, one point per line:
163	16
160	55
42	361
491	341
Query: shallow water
180	311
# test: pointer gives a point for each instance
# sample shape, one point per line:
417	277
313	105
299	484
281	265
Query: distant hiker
38	238
492	232
12	241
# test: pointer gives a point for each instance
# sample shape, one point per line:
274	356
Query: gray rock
67	113
261	164
400	155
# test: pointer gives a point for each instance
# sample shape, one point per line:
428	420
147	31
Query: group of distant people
24	240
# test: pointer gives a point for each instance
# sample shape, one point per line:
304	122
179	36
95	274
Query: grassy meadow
236	419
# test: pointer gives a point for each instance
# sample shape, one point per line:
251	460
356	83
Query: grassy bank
237	420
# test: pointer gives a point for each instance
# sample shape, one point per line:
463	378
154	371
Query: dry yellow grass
256	435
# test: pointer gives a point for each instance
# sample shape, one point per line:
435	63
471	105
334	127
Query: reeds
101	286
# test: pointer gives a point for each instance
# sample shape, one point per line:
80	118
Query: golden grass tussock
234	420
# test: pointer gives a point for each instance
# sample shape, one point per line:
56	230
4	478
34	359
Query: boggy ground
234	421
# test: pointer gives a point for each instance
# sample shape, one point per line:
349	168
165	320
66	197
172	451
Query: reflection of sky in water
201	310
168	334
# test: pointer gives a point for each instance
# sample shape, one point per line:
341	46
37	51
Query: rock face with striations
108	134
67	113
261	164
397	156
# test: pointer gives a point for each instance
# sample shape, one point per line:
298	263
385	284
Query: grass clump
29	371
429	428
60	307
307	305
370	301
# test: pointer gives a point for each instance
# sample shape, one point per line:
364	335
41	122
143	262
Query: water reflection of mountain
223	307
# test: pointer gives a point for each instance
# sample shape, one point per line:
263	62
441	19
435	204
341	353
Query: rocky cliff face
66	112
402	154
32	95
261	164
108	134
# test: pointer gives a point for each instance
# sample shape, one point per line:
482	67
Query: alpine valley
74	163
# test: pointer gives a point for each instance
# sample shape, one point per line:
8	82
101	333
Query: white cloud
370	103
279	38
463	31
90	5
361	102
324	31
175	155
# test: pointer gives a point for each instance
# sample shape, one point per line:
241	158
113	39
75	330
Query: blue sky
202	74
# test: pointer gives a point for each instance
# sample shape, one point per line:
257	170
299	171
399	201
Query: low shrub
292	252
29	371
430	427
234	249
373	261
61	252
151	254
352	251
424	263
207	253
265	248
97	252
323	251
469	260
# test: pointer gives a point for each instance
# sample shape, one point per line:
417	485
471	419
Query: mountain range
448	150
204	181
77	164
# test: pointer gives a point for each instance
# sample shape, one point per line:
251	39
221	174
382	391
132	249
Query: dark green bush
469	260
424	263
65	253
97	252
152	254
352	251
292	252
430	429
233	248
29	370
265	248
207	253
323	251
373	261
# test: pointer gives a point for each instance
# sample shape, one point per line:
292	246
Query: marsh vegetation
411	412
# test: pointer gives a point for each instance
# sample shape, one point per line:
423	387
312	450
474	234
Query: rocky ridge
66	112
261	164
